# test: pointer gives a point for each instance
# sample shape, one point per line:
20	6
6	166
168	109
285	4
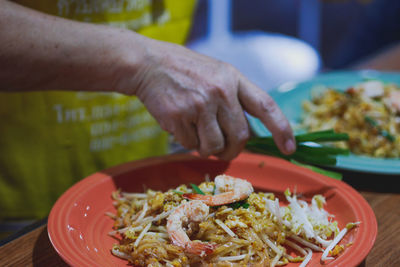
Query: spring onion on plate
309	150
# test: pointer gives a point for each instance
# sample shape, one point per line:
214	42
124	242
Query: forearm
42	52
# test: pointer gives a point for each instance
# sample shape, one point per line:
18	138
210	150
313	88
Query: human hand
201	101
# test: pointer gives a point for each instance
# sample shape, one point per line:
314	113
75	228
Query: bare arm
200	100
42	52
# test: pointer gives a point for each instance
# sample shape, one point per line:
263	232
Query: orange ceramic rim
78	228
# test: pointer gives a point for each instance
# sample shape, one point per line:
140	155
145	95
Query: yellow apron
50	140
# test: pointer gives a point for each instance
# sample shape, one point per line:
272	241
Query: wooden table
33	248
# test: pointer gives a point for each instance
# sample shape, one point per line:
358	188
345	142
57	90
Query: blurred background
273	42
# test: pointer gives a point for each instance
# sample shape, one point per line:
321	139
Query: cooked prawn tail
228	190
205	198
200	248
177	239
216	200
192	211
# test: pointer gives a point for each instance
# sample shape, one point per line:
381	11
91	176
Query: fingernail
290	146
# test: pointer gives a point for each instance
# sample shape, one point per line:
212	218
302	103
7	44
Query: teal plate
290	96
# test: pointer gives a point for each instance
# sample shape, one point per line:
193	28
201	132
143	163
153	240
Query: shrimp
194	211
228	190
393	101
372	89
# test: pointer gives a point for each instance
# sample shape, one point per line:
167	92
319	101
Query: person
83	89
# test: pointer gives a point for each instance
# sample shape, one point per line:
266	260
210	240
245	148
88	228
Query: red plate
78	228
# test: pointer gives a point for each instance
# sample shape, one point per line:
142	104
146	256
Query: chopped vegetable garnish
179	193
384	133
239	204
197	189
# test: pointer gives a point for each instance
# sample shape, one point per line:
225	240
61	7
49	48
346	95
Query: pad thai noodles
223	223
369	112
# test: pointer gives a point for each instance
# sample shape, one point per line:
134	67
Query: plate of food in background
183	210
363	104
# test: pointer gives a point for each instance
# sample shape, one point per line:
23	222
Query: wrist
135	56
